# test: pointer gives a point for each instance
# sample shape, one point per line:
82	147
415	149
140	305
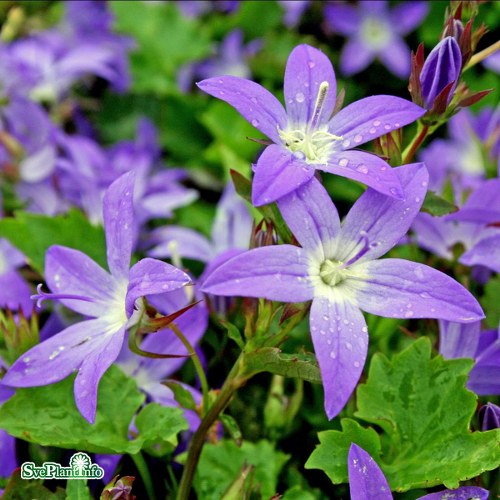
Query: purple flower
367	481
374	31
8	460
294	9
441	71
337	269
306	137
467	341
110	299
489	414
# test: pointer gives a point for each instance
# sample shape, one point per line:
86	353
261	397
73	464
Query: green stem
197	365
417	141
142	467
231	385
480	56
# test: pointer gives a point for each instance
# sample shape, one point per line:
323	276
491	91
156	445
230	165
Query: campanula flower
305	136
375	31
338	269
441	71
8	459
367	481
109	298
467	341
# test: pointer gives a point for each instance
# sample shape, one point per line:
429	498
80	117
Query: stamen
41	296
318	106
367	246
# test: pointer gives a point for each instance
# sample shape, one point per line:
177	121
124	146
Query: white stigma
331	272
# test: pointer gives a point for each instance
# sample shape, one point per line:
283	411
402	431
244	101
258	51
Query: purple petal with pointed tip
118	212
340	338
366	168
400	288
109	464
256	104
92	369
485	253
397	58
8	460
277	173
306	69
458	340
151	276
462	493
273	272
381	219
312	217
484	378
69	271
366	479
371	117
15	292
407	16
47	363
343	19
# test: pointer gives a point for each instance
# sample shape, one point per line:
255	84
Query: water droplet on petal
362	168
364	329
255	123
346	143
358	138
376	123
373	130
221	92
254	100
409	314
397	124
425	295
26	359
356	364
346	322
299	97
417	199
300	156
333	355
322	332
387	126
424	183
311	64
221	81
348	346
343	162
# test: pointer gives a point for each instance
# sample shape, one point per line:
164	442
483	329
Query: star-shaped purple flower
337	269
91	346
367	481
375	31
306	137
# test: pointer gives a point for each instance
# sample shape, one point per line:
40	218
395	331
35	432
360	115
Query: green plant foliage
437	206
221	463
489	301
77	489
165	41
424	411
48	416
20	489
33	234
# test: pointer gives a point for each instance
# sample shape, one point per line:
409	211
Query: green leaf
272	360
165	41
33	234
181	395
233	333
330	455
437	206
58	422
489	301
424	411
232	428
21	489
77	489
221	463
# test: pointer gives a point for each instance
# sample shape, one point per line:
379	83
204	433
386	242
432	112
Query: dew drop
397	124
346	143
424	183
26	359
311	64
329	342
364	329
290	101
221	92
409	314
373	130
358	138
425	295
299	97
356	364
343	162
255	123
346	322
376	123
54	355
383	167
362	168
300	156
313	328
348	346
387	126
325	317
417	199
322	332
221	81
333	355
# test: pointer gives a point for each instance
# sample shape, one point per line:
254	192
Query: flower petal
277	173
181	241
366	479
342	19
56	357
151	276
71	272
118	212
485	253
306	69
273	272
15	292
381	220
397	58
407	16
256	104
366	168
458	340
403	289
462	493
484	378
355	57
340	339
8	461
312	217
371	117
92	369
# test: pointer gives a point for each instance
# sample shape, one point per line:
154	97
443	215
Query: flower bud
440	74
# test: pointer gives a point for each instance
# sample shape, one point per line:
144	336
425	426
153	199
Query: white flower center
375	33
310	142
332	272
